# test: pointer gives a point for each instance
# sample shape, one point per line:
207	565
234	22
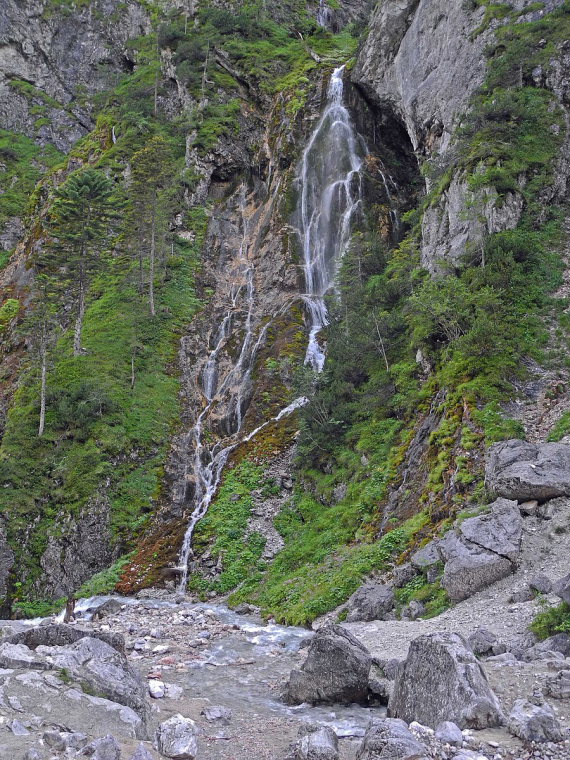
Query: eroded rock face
373	601
336	670
390	739
441	680
60	54
523	471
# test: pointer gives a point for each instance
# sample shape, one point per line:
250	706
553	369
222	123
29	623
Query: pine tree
80	224
152	169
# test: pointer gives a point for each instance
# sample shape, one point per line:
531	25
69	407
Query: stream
242	669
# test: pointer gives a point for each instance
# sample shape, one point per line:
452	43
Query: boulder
373	601
20	656
336	669
558	686
103	669
142	753
63	740
449	733
315	743
499	531
176	738
534	723
390	739
527	471
441	680
403	574
469	568
426	557
562	588
482	641
560	643
60	635
106	748
542	584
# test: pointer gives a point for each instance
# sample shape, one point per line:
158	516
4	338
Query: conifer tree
152	168
80	223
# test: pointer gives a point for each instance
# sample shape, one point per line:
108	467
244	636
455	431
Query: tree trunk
77	349
152	258
43	392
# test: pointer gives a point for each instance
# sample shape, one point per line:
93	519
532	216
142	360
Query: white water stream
329	180
330	195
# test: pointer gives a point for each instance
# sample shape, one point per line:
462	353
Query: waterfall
329	181
330	194
227	388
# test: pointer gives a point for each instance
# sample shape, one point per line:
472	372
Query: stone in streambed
336	669
176	738
390	739
315	743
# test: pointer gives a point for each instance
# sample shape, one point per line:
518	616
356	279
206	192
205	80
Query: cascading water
329	182
330	195
205	461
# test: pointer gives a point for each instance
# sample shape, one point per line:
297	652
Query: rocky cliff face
54	60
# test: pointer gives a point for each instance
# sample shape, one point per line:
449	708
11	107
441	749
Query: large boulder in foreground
441	680
524	471
101	668
390	739
373	601
315	743
336	670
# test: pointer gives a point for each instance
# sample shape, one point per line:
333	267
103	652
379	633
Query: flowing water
329	197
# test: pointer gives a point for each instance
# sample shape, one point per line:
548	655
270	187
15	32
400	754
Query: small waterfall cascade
329	196
226	390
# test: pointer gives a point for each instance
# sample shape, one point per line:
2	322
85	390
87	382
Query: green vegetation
223	530
551	621
105	581
22	163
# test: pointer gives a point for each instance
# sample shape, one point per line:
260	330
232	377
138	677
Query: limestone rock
390	739
499	531
559	643
449	733
106	748
373	601
469	568
534	723
105	670
524	471
20	656
336	670
142	753
441	680
176	738
58	634
403	574
558	686
63	740
562	588
315	743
